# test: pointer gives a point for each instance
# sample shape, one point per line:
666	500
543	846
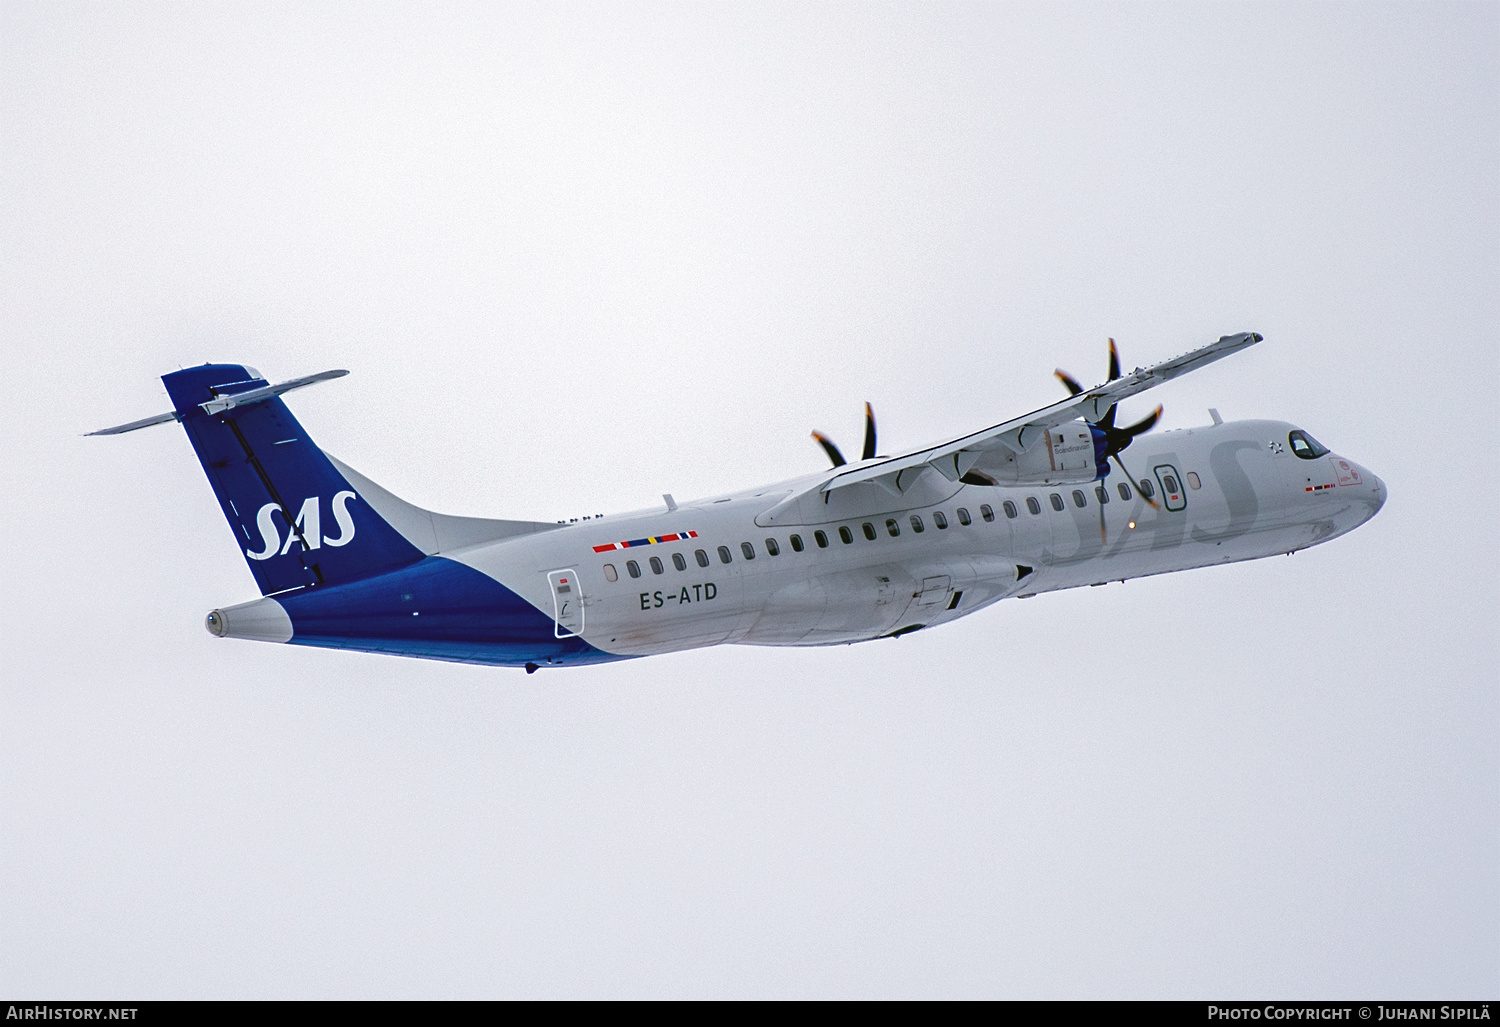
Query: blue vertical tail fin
296	518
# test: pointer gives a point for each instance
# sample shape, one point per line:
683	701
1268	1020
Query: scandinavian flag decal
650	540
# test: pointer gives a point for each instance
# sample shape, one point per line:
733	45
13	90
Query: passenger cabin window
1193	482
1124	490
633	568
846	536
1056	500
1147	489
724	556
1010	509
1102	494
1033	505
916	524
773	547
796	543
869	530
1171	484
987	512
610	574
1305	446
656	567
679	561
701	557
939	519
748	550
891	527
821	538
1078	499
964	518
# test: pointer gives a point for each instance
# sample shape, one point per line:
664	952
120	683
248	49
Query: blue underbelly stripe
438	609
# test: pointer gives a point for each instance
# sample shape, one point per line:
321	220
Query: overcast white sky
577	256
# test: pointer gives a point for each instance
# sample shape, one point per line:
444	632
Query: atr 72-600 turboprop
875	548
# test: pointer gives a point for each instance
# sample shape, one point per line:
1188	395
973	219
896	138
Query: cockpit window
1305	446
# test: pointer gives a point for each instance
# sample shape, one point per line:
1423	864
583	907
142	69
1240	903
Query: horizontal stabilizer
222	402
219	404
145	422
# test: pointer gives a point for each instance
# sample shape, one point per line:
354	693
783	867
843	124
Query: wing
954	459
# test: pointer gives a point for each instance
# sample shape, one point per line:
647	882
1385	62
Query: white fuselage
1242	494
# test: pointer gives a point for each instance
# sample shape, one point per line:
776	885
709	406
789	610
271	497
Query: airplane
874	548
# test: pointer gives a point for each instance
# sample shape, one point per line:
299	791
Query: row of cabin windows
1101	494
893	526
747	549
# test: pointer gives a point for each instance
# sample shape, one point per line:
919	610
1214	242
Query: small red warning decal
1344	470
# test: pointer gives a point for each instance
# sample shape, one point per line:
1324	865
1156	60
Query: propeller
832	450
1116	440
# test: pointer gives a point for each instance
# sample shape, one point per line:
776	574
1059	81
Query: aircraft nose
1374	488
1378	488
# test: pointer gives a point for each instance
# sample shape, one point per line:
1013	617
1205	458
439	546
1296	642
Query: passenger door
567	603
1172	493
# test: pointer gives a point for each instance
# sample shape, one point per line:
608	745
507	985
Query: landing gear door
567	603
934	590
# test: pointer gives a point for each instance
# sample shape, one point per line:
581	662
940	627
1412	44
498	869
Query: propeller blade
1107	422
1067	379
1142	426
830	449
1153	504
1103	538
869	451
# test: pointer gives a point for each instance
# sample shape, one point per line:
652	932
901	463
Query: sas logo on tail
309	525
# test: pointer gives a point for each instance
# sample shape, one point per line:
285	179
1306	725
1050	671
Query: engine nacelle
1066	454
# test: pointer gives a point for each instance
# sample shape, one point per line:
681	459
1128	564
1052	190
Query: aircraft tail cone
263	620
